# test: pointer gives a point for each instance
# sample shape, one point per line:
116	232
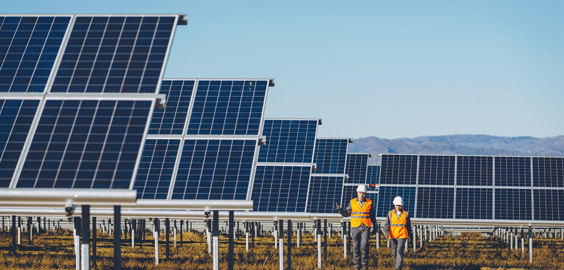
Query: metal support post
13	232
77	233
208	235
344	224
167	238
215	226
156	232
275	234
415	239
530	244
318	236
281	237
230	250
325	240
117	237
94	242
29	230
85	234
181	231
289	256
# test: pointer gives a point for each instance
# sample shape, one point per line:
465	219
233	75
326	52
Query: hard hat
398	200
361	188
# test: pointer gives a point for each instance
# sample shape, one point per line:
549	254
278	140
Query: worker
361	211
398	229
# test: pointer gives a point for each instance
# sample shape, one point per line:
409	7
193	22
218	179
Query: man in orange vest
398	228
362	215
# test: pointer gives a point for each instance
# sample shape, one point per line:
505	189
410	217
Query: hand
374	231
337	207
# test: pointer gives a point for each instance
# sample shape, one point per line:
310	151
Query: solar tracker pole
281	231
94	241
561	234
246	236
318	236
415	239
29	231
174	233
253	233
215	240
377	236
344	239
133	233
530	244
510	239
522	241
85	233
181	233
167	236
76	237
117	237
275	234
325	240
13	232
289	256
230	251
19	230
208	236
156	231
237	232
516	239
420	236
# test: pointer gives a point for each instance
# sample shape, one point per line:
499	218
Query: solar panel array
55	133
204	144
327	181
356	169
282	179
474	187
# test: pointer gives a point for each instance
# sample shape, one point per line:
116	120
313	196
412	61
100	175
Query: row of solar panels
79	110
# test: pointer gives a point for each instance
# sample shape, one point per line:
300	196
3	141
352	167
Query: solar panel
324	192
474	203
115	54
373	175
435	202
85	144
330	155
228	107
356	168
288	141
15	121
386	195
436	170
399	169
548	172
549	204
172	118
478	187
28	48
215	169
474	171
513	171
156	169
514	204
281	188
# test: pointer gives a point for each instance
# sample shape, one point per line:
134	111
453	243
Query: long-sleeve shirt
347	211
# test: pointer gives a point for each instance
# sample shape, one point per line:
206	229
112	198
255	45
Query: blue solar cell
474	203
435	202
513	204
15	120
172	118
331	155
281	188
215	169
28	48
85	144
373	175
288	141
549	204
474	171
156	168
115	54
436	170
386	196
513	171
324	192
224	107
398	169
357	165
548	172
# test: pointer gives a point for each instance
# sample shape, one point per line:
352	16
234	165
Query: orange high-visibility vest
398	227
360	215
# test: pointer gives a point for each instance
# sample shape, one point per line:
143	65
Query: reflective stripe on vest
398	227
360	214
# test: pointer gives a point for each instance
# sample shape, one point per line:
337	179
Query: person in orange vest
361	211
398	228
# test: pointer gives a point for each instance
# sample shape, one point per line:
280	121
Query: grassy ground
469	251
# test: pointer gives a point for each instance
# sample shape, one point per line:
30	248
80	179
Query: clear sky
374	68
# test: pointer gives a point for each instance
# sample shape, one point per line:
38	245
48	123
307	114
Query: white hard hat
361	188
398	200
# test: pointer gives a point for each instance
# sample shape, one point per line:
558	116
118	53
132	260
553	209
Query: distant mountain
460	145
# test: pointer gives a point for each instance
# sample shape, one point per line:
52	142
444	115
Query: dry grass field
469	251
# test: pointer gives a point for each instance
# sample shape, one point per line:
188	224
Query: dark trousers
360	236
398	246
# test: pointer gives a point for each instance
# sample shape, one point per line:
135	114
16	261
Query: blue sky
375	68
